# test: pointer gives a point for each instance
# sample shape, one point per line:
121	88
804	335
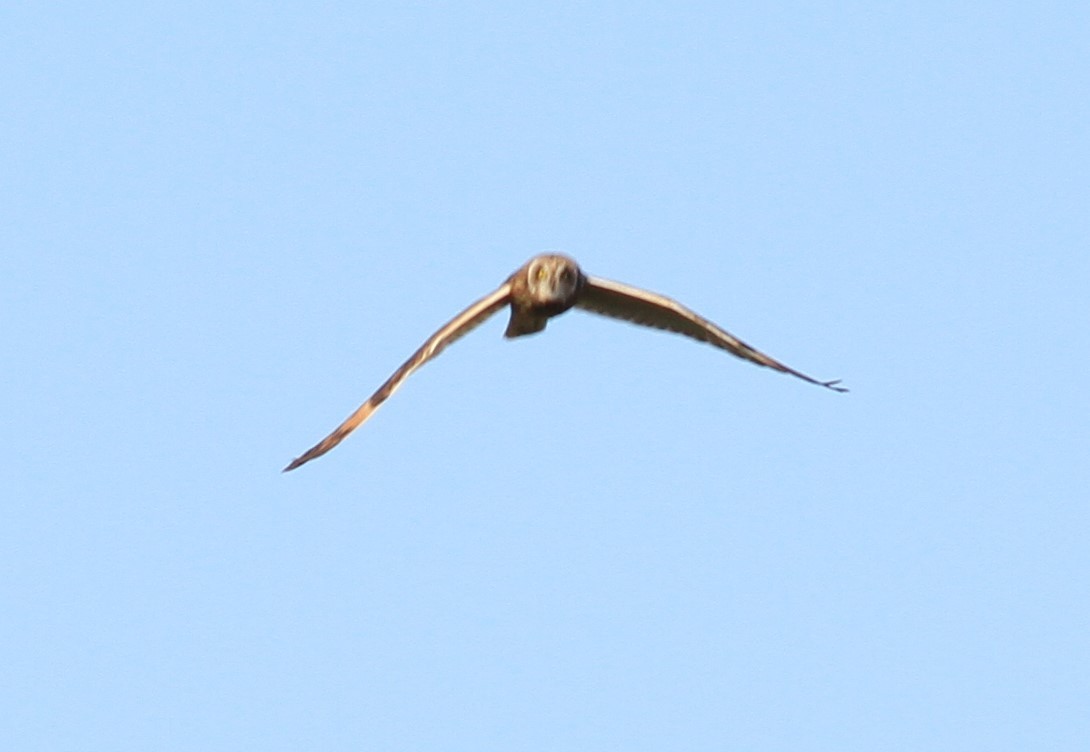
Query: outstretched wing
457	327
650	309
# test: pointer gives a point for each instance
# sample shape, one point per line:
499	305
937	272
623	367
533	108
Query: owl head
553	280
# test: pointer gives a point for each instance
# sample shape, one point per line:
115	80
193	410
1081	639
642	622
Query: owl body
547	286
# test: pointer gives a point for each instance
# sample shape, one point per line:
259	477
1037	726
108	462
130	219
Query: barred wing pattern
459	326
620	301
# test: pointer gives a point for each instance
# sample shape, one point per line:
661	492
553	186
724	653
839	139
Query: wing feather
638	306
457	327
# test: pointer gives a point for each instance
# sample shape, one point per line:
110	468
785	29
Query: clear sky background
224	224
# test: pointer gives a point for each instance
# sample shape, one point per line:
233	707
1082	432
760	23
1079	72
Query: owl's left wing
638	306
457	327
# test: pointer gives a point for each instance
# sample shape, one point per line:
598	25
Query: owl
544	287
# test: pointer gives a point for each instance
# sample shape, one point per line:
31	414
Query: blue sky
224	224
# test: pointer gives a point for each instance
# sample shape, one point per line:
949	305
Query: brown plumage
547	286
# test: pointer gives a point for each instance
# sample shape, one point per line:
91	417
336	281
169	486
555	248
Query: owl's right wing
621	301
457	327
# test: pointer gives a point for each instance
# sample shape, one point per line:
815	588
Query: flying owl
547	286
